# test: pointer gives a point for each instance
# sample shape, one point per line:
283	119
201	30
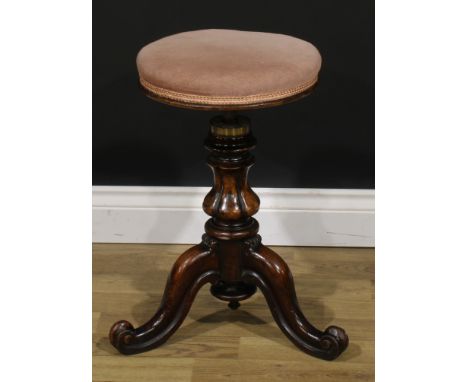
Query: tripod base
263	269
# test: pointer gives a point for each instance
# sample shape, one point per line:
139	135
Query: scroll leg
195	267
271	274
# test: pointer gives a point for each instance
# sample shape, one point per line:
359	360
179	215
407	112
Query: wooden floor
334	286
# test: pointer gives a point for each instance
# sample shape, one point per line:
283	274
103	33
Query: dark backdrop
323	141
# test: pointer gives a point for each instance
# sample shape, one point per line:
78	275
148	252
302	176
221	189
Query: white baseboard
288	216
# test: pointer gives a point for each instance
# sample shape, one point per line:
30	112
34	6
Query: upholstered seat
228	69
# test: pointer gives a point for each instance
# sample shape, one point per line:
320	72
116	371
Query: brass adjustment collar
237	126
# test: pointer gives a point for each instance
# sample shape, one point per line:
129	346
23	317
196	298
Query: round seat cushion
228	69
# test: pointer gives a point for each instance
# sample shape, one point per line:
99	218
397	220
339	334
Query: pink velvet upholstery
228	67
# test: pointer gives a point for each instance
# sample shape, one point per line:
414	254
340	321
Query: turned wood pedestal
231	257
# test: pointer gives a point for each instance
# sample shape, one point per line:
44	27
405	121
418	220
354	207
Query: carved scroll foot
192	270
271	274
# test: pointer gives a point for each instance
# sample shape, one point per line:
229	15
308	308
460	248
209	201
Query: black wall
323	141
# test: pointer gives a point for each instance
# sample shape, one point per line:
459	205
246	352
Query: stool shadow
242	317
104	344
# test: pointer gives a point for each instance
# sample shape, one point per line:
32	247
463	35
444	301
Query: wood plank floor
334	286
